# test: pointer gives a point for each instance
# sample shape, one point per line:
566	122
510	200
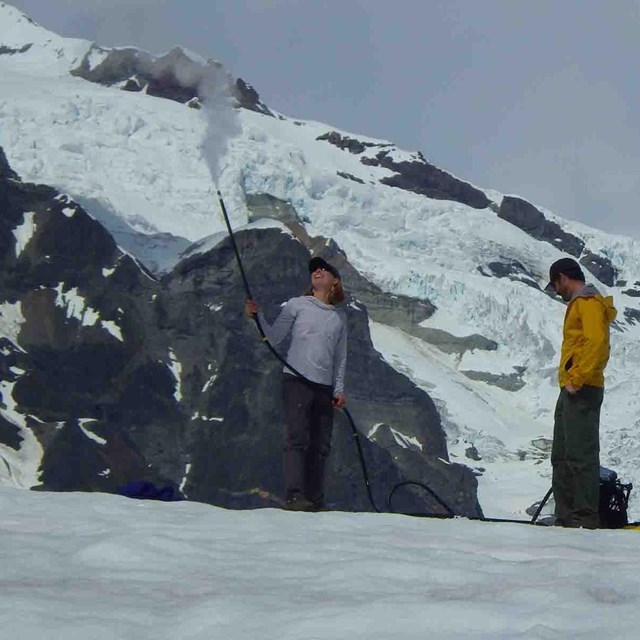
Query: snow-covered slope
136	163
102	567
37	50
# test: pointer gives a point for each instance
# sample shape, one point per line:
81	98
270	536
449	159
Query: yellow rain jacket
585	343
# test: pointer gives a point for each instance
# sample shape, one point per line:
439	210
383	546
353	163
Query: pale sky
538	99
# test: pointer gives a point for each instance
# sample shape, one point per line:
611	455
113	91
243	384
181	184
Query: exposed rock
94	363
508	382
10	51
472	453
511	269
632	316
349	144
349	176
544	444
416	499
418	176
174	76
9	435
264	205
600	267
376	392
449	343
532	221
526	217
633	293
124	377
5	170
422	177
248	98
132	84
370	162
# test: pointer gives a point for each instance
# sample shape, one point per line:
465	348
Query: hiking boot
299	503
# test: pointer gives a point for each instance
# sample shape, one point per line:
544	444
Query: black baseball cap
321	263
568	267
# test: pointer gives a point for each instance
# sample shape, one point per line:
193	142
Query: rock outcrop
121	376
415	175
532	221
174	76
525	216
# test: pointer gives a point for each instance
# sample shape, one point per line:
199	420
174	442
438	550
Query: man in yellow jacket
575	456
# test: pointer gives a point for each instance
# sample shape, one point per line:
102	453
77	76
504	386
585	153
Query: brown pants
575	457
309	418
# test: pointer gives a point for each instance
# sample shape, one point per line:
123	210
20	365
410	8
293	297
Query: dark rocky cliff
174	76
124	377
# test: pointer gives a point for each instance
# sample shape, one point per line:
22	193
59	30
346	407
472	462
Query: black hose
450	513
541	506
356	437
232	238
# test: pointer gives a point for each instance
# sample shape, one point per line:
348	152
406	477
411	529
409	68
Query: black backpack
614	498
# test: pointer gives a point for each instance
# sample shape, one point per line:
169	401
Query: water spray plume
220	112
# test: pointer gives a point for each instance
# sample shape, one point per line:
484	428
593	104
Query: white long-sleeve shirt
318	340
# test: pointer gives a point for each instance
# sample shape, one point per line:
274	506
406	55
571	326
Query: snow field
105	567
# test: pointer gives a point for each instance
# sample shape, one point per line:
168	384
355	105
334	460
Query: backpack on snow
614	499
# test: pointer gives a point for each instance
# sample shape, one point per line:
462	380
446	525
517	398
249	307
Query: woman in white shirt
318	351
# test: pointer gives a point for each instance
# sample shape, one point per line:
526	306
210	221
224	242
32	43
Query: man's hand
571	389
339	401
251	308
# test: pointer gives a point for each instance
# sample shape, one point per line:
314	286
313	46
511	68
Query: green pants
575	457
